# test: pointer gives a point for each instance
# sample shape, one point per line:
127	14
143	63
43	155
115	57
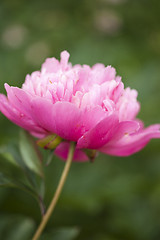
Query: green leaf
7	181
14	227
29	153
11	154
49	158
66	233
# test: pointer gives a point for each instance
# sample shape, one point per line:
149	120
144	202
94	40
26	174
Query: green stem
57	193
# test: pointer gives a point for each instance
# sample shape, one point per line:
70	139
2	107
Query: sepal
50	142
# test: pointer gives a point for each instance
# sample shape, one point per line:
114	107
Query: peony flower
87	105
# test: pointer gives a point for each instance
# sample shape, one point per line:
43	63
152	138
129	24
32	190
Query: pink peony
88	105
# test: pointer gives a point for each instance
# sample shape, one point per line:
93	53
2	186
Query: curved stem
57	193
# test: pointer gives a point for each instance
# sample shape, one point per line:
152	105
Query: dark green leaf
29	153
11	154
7	181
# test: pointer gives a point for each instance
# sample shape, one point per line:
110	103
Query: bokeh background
113	198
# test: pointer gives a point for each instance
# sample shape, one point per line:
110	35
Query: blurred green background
113	198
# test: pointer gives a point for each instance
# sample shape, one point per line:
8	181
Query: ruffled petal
64	118
100	134
61	118
132	143
19	99
91	117
63	149
125	128
18	117
50	65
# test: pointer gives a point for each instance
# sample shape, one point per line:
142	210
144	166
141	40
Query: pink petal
124	128
100	134
62	118
50	65
63	149
109	73
19	99
64	59
132	143
92	117
18	117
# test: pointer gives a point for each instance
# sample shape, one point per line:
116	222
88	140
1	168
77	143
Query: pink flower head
88	105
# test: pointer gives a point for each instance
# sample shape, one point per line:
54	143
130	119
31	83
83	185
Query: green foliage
7	181
30	154
26	160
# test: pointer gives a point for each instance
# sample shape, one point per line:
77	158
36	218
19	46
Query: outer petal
100	134
132	143
18	117
19	99
125	128
92	117
63	149
62	118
